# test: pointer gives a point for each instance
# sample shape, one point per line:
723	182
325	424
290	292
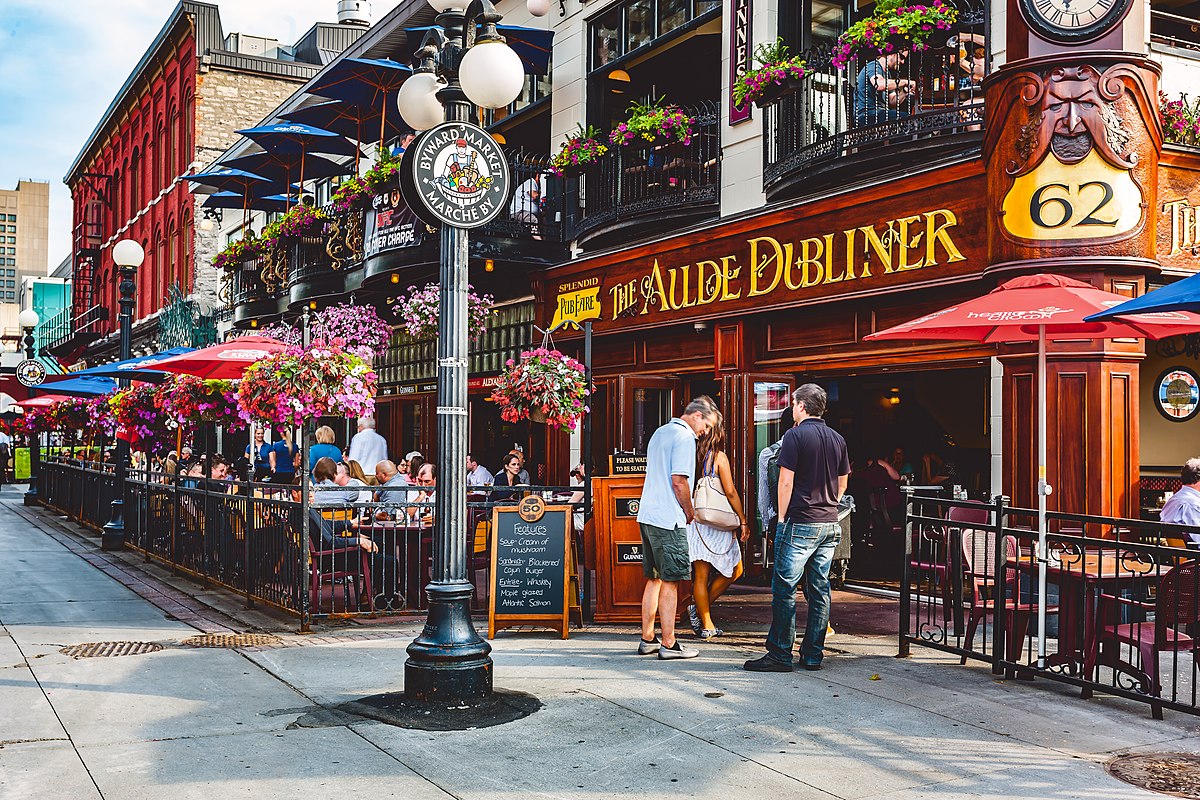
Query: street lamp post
449	662
28	319
128	255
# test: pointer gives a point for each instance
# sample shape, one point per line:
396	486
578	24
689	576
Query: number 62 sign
1069	202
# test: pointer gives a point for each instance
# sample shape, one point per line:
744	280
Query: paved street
186	722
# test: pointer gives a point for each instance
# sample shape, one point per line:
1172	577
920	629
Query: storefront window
606	37
672	14
704	6
651	410
639	24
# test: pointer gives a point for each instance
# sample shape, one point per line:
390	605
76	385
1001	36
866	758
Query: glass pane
651	410
671	15
705	5
827	22
770	399
606	38
639	24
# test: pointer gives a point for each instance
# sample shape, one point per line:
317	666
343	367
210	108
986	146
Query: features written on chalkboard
529	565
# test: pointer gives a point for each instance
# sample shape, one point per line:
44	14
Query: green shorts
665	553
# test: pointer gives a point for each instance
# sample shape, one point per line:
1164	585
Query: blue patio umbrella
124	369
77	385
228	179
350	120
532	45
284	167
1182	295
296	137
371	84
271	202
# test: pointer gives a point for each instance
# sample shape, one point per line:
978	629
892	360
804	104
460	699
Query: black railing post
904	649
1000	653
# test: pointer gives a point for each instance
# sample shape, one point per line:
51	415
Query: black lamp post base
112	535
448	662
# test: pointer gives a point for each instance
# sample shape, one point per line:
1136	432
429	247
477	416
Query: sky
62	62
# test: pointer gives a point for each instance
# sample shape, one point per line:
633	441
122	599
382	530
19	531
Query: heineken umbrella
1030	308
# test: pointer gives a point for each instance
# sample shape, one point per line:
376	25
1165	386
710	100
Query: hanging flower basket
299	222
191	401
654	123
352	194
778	74
384	174
418	312
357	329
544	386
68	417
140	421
295	385
237	253
895	27
1180	119
579	150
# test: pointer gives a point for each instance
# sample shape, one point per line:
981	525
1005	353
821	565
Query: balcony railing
64	331
654	185
255	291
536	210
870	116
1174	30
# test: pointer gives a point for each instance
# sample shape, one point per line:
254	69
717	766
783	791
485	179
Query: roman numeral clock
1073	21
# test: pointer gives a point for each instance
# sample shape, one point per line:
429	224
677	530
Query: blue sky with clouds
62	61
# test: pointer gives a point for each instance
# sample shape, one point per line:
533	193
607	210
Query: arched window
188	121
172	260
148	190
175	164
185	261
160	157
123	195
160	270
135	183
115	194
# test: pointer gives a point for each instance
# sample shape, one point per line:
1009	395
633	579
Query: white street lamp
491	74
128	254
28	319
418	103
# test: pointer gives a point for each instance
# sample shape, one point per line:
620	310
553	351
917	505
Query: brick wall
226	101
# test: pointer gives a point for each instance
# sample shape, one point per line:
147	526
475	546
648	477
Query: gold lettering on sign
1184	235
904	244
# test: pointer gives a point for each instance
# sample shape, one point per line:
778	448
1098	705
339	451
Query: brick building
178	109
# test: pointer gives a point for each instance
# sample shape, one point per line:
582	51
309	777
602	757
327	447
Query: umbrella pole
1043	489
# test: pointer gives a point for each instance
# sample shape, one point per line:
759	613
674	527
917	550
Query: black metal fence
876	107
1122	599
362	556
653	178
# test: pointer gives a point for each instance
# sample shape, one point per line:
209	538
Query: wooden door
644	403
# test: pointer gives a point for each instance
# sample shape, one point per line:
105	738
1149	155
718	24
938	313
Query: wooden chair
1177	605
339	562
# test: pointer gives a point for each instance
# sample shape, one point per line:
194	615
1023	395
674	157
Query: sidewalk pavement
187	722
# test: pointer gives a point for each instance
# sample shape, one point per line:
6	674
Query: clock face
1073	21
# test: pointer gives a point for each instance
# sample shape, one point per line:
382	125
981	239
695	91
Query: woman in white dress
716	554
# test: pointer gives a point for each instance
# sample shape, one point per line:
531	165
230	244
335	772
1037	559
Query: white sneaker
678	651
648	648
694	619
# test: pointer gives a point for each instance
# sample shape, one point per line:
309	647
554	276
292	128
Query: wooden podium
617	548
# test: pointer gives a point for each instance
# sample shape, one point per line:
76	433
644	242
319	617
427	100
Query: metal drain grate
1175	774
109	649
233	640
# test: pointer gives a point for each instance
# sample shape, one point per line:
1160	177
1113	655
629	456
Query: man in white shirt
367	447
664	511
1184	506
477	474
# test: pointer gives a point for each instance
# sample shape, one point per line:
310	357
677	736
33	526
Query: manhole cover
1176	774
233	640
109	649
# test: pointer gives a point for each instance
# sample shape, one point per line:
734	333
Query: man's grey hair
1190	472
702	405
366	422
813	397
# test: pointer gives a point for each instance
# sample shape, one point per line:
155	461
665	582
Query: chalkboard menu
530	573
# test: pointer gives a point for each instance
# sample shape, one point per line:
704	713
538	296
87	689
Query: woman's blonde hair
325	435
356	471
711	443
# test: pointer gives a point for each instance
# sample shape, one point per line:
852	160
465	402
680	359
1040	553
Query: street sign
31	372
455	174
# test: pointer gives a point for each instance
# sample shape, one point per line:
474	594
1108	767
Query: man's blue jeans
802	550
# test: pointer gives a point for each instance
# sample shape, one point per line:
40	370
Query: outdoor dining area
149	466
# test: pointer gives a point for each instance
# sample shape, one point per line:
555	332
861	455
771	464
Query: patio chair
1177	606
979	558
932	555
346	563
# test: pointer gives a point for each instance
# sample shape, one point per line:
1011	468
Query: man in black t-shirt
813	469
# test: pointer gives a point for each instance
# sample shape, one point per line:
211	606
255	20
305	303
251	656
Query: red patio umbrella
1026	309
43	400
225	361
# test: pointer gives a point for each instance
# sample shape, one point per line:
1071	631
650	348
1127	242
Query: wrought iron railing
63	328
877	108
536	209
1122	603
349	558
642	181
249	285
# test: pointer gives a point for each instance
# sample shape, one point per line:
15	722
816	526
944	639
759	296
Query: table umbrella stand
1043	491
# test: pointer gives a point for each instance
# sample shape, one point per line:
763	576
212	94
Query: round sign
457	174
1177	394
31	372
531	508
